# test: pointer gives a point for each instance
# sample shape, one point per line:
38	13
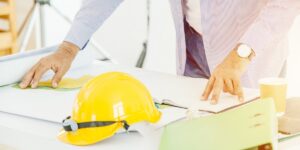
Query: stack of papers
226	102
55	105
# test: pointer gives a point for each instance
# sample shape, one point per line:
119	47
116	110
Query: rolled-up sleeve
90	17
273	22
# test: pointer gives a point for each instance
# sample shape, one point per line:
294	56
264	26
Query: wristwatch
245	51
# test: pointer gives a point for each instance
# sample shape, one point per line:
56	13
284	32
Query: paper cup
275	88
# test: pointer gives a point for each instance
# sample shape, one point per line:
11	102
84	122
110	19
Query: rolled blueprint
14	67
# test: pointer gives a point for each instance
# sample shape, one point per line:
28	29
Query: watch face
244	51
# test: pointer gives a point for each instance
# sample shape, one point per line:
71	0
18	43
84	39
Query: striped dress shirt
261	24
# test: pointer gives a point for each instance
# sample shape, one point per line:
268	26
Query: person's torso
192	13
223	23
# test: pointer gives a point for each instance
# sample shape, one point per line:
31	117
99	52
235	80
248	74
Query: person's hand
226	77
59	62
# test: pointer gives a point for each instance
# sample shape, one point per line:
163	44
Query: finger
235	87
225	90
28	77
217	89
208	88
57	78
228	85
240	92
41	69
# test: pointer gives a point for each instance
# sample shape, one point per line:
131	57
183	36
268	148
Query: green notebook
250	126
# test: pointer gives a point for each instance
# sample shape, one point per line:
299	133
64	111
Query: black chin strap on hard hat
70	125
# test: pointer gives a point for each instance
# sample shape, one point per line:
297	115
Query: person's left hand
226	77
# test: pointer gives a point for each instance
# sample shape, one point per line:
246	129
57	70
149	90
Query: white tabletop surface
24	133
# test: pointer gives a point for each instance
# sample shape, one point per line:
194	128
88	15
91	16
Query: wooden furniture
8	37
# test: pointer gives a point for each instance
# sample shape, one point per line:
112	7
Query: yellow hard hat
105	104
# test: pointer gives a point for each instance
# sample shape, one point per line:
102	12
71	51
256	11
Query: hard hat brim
88	136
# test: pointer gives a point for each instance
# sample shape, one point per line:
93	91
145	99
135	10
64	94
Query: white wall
56	27
161	55
293	69
123	33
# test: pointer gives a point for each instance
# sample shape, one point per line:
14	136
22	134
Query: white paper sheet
56	105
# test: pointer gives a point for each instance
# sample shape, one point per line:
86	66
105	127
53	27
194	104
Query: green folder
250	126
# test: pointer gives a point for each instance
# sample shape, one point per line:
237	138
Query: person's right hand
59	62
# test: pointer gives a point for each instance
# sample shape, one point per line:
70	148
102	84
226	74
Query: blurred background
29	25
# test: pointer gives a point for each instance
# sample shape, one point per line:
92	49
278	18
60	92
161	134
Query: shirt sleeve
273	22
90	17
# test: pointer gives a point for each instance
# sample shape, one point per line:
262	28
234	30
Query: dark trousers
196	63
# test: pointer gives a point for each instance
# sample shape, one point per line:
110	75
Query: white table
31	134
21	132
